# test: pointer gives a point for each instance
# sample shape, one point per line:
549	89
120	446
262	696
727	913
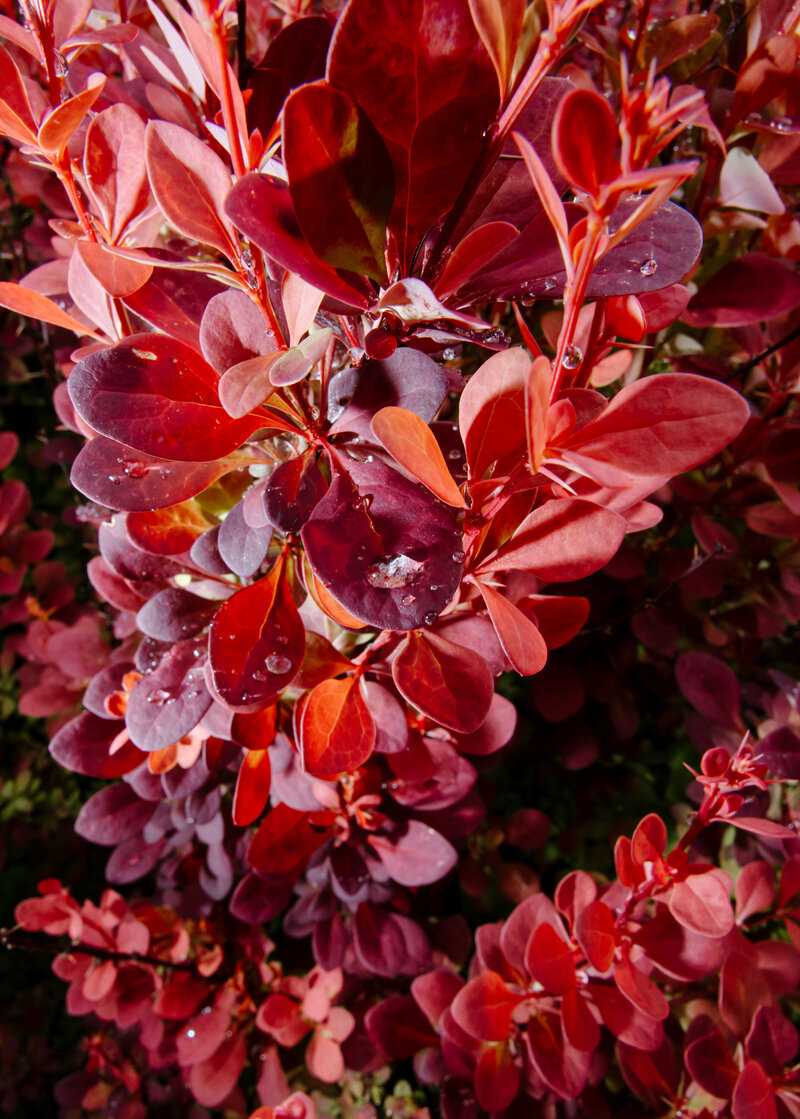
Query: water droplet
458	557
193	694
573	357
783	124
159	697
133	468
114	480
430	617
281	639
648	267
407	599
434	586
528	299
144	355
454	454
314	412
449	353
278	664
387	572
190	1033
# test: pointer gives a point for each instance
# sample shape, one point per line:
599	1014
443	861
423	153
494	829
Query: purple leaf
174	614
408	379
233	330
111	474
417	857
711	687
241	547
133	859
386	549
780	749
292	492
170	702
112	815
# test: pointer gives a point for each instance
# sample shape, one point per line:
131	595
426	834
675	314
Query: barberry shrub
413	346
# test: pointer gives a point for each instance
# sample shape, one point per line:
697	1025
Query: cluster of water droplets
391	571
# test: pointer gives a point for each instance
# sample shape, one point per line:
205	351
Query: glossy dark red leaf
754	1094
337	733
340	178
432	114
447	682
293	490
406	379
158	395
174	300
121	478
384	547
174	614
261	207
256	642
399	1027
584	139
84	746
170	531
284	842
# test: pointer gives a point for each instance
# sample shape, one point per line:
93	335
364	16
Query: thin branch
752	362
612	623
14	939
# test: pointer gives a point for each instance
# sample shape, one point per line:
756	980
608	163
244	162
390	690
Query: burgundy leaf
444	681
385	548
170	702
416	856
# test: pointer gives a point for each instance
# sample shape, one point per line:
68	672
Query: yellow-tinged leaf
26	301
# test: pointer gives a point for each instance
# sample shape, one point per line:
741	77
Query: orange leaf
409	440
499	24
25	301
16	118
337	733
252	787
57	128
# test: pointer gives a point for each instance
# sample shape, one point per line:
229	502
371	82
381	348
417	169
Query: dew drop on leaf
159	697
454	454
573	357
387	572
114	480
458	557
133	468
648	267
278	664
430	617
407	599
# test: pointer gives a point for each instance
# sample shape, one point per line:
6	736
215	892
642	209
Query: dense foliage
434	407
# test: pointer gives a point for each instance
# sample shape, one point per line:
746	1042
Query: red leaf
446	682
499	24
641	991
484	1007
550	960
753	288
702	904
340	178
16	117
711	687
754	889
58	126
181	996
284	842
212	1080
710	1063
159	396
442	96
83	746
410	441
337	733
649	840
563	540
742	990
399	1027
522	642
580	1027
754	1095
170	531
491	410
759	826
496	1078
252	787
584	138
256	642
663	425
596	933
190	183
114	169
